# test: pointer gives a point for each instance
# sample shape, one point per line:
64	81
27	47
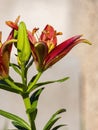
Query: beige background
85	20
79	94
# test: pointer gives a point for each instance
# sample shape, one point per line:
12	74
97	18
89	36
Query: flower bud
41	50
23	45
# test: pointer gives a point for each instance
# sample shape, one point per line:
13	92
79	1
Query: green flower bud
23	45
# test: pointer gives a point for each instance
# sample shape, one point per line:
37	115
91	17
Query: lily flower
45	50
5	50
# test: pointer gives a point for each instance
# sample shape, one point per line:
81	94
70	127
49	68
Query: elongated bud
41	50
23	45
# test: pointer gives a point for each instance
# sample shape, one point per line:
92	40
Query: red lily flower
5	50
45	50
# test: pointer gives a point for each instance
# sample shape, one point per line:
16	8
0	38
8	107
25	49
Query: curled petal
62	49
7	46
12	25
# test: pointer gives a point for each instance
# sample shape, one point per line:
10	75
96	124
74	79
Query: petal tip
86	41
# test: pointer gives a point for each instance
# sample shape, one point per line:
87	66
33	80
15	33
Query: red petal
32	39
5	51
4	59
12	25
61	50
49	34
9	38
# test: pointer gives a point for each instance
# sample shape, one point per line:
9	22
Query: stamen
59	33
34	30
17	19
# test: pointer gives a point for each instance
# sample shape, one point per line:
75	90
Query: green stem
26	97
24	76
34	82
27	103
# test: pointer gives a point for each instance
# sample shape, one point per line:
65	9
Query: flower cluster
44	51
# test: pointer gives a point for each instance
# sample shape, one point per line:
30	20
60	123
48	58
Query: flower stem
26	98
24	76
27	104
34	82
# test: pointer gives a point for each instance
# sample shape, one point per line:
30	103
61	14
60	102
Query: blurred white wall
38	13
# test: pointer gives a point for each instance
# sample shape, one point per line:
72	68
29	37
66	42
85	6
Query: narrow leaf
34	101
16	68
29	64
20	85
15	118
35	96
32	79
48	82
19	126
5	86
52	119
51	123
57	127
12	84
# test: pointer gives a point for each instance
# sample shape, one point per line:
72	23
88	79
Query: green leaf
12	85
53	119
5	86
34	101
32	79
51	123
58	126
20	85
35	96
19	126
48	82
16	68
59	112
15	118
29	64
